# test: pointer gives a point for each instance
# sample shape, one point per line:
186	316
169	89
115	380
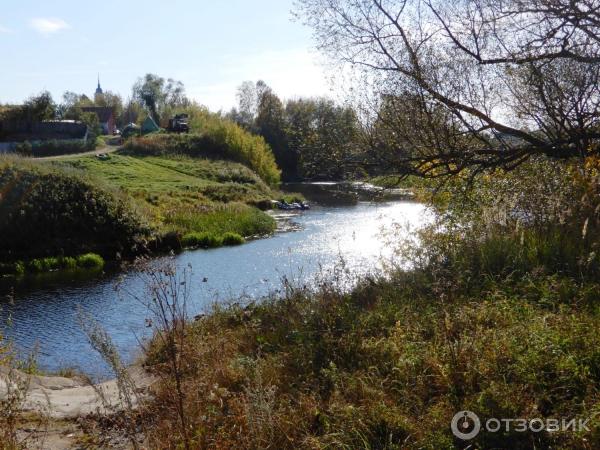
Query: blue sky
212	46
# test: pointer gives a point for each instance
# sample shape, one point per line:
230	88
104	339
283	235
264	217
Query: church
106	115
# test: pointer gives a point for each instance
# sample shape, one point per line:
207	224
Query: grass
180	175
88	261
232	239
211	240
222	140
203	240
387	366
496	315
230	218
123	206
188	195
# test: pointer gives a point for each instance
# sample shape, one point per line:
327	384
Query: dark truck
179	124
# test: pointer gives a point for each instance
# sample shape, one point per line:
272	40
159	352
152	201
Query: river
309	244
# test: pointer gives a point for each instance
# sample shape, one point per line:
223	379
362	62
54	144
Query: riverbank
56	413
126	204
494	315
388	366
69	398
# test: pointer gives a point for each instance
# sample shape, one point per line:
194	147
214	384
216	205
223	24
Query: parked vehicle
179	124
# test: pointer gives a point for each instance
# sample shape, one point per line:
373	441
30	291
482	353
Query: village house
106	117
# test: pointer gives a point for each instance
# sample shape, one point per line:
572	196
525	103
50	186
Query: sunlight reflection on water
323	237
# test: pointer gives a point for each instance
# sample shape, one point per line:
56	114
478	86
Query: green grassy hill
50	212
182	194
127	204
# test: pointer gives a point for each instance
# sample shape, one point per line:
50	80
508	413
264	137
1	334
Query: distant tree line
312	138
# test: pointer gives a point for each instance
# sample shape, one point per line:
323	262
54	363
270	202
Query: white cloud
48	25
4	30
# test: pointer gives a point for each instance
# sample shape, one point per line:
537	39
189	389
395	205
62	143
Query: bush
56	148
46	211
542	217
24	149
203	240
90	261
232	239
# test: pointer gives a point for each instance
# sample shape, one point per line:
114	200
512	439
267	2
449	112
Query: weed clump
202	240
232	239
90	261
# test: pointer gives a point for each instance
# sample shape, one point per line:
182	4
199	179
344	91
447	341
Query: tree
310	138
133	112
249	96
35	109
270	124
160	96
114	101
488	83
70	108
93	124
301	134
149	91
322	137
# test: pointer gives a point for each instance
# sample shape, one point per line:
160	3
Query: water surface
46	319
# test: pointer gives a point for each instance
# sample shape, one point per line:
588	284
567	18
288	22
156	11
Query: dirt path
104	149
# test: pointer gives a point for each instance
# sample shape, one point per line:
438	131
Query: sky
210	45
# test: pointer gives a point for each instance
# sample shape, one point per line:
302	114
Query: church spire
99	89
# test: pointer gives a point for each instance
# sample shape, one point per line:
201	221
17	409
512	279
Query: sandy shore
66	398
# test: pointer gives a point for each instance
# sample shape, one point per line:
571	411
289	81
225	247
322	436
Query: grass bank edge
86	262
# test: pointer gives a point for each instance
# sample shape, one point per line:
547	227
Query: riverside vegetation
497	314
158	192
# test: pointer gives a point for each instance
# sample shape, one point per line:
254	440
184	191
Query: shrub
204	240
90	261
45	210
56	147
232	239
24	149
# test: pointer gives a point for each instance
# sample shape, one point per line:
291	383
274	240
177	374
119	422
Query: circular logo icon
465	425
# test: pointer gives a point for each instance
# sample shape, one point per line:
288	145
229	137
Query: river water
311	244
